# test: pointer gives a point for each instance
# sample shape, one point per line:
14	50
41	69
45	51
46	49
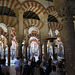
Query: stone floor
12	70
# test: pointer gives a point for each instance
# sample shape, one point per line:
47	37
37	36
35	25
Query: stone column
4	46
16	50
45	50
29	52
20	32
68	34
21	26
23	50
26	41
40	51
9	44
4	50
69	43
53	44
19	47
26	45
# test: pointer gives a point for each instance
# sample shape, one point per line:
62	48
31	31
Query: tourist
48	68
37	70
54	71
33	63
26	70
17	66
4	68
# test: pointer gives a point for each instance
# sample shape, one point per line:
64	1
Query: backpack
26	70
38	70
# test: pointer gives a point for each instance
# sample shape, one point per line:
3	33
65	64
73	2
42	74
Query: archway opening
34	47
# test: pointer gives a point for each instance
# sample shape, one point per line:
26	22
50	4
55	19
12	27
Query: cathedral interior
38	28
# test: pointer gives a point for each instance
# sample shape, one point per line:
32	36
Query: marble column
4	46
40	51
26	45
53	44
16	50
19	47
29	51
4	51
23	52
9	44
45	50
21	25
20	32
26	41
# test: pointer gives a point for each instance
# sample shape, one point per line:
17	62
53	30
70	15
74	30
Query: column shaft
9	44
69	43
26	50
8	55
40	51
21	26
20	33
20	48
45	50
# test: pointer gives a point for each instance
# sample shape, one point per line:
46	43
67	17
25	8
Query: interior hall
38	30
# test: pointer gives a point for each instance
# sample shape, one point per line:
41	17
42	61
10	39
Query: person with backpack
26	70
38	70
4	68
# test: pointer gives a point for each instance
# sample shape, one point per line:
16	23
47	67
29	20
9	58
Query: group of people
39	67
4	70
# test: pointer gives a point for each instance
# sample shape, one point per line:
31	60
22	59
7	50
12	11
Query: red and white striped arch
1	39
11	4
13	33
9	21
33	6
51	10
14	40
6	34
35	35
32	22
34	40
55	25
3	33
35	32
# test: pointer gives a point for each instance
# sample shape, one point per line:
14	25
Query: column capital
45	41
19	39
9	28
20	11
